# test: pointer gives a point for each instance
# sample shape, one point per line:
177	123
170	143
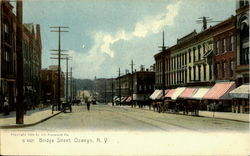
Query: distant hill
84	84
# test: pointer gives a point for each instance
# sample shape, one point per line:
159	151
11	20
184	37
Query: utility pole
105	93
163	70
59	30
112	93
67	76
71	84
132	82
19	53
119	81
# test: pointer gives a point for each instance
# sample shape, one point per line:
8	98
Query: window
189	56
204	48
224	45
194	53
6	33
185	58
189	70
231	46
210	71
204	72
194	73
199	72
217	48
231	68
224	69
199	52
217	72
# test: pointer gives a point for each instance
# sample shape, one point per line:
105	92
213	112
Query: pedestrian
88	105
6	106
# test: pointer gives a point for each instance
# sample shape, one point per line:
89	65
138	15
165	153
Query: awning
220	91
155	94
161	96
200	93
188	92
170	93
242	92
129	99
124	99
177	92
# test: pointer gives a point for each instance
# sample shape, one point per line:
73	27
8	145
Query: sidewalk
220	115
31	118
226	115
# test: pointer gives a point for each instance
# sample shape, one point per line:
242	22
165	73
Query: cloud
103	41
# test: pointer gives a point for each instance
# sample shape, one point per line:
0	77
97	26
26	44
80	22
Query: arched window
244	40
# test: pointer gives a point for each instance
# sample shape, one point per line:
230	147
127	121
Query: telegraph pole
19	36
112	93
163	70
105	93
59	30
71	84
119	81
132	81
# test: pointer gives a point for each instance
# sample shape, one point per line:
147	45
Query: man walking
88	105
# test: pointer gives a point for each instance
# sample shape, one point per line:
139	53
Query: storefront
218	98
240	97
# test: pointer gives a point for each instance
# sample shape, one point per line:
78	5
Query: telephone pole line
112	92
59	30
132	82
119	81
19	36
163	69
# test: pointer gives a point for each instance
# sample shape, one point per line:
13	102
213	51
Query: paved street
107	118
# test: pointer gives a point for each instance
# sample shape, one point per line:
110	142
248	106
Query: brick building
225	51
49	81
32	62
8	53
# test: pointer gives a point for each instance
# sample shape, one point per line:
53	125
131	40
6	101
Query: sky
105	35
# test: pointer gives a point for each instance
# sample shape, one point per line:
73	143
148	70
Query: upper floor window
231	68
217	72
6	33
224	69
199	52
194	54
231	45
223	45
189	55
217	47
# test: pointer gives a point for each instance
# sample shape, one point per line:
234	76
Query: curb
27	125
198	116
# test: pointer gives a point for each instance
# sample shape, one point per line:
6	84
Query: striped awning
188	92
177	92
200	93
129	99
155	94
170	93
242	92
220	91
161	96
